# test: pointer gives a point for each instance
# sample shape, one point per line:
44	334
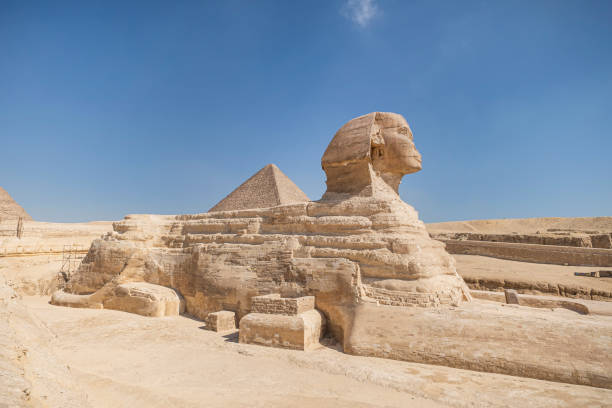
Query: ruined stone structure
385	288
547	254
561	241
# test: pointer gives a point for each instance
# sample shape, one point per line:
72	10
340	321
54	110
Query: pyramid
268	187
9	209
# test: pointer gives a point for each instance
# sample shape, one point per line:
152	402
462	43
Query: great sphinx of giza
385	287
359	243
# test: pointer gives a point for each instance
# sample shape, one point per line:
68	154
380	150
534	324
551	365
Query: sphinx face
398	155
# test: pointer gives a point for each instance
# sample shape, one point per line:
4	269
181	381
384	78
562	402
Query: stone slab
275	304
299	332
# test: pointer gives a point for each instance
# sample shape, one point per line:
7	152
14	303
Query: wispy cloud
360	11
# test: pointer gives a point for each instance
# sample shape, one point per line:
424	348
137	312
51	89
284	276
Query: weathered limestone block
223	321
511	296
145	299
61	298
274	304
299	332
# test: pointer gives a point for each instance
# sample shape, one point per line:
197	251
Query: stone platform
291	323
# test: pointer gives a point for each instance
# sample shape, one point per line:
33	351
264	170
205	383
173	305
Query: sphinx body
359	244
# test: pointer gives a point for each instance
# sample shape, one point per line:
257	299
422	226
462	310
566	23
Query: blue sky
110	108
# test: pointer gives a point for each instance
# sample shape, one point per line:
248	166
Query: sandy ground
530	276
126	360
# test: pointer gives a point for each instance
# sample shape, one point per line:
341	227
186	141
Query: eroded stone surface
511	297
275	304
299	332
223	321
141	298
492	337
145	299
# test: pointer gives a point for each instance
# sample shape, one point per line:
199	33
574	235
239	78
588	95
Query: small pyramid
268	187
9	209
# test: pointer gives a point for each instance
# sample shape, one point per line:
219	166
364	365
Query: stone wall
549	254
48	237
572	239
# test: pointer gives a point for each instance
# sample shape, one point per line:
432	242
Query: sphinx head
373	147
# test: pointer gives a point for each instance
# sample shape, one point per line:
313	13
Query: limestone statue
359	243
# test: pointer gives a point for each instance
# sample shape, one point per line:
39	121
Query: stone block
511	296
223	321
145	299
298	332
275	304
